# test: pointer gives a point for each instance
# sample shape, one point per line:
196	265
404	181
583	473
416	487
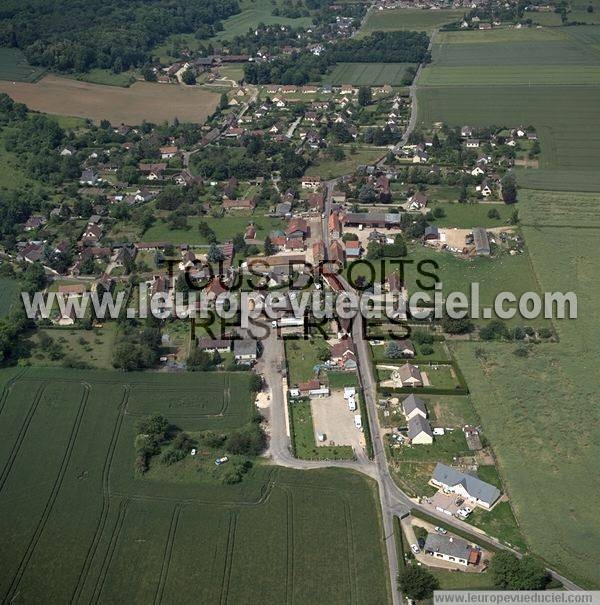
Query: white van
357	421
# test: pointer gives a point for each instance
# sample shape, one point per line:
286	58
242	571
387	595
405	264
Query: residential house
334	225
468	486
153	172
298	228
414	406
418	201
89	177
336	252
72	290
91	235
419	431
34	222
343	354
168	152
310	182
245	351
210	344
431	233
316	202
410	375
451	549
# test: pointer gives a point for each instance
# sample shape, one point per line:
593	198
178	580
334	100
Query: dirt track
142	100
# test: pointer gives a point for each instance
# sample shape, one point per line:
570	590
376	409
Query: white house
471	488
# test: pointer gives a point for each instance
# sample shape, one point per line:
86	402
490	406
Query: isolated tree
509	188
214	254
364	95
188	77
417	583
269	247
493	213
224	101
392	350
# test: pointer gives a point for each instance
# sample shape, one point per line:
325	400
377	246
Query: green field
14	66
76	525
502	75
408	19
567	137
471	215
107	77
368	74
9	294
515	48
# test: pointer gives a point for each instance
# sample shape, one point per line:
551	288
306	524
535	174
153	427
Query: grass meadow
225	228
541	412
408	19
368	74
76	525
9	294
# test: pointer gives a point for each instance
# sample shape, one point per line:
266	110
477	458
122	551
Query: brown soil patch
141	101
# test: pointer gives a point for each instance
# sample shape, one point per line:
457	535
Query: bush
493	213
247	441
171	457
211	439
521	351
422	337
427	349
417	583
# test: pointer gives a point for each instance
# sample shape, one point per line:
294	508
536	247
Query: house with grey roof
468	486
451	549
245	351
419	431
414	406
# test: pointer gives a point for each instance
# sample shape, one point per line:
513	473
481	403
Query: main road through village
394	502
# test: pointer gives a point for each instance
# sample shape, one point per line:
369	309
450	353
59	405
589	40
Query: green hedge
362	406
476	538
399	540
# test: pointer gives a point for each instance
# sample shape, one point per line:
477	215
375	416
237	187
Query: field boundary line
233	519
166	562
289	584
14	452
112	546
352	568
8	388
66	459
85	570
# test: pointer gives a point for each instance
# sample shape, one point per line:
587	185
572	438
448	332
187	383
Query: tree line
110	34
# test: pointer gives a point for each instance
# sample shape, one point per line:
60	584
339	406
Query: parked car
441	530
222	460
415	549
193	452
463	513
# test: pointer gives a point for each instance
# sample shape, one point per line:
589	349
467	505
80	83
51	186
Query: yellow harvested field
141	101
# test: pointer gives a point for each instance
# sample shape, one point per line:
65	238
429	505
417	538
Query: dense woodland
77	35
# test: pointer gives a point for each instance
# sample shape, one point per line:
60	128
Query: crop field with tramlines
78	525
